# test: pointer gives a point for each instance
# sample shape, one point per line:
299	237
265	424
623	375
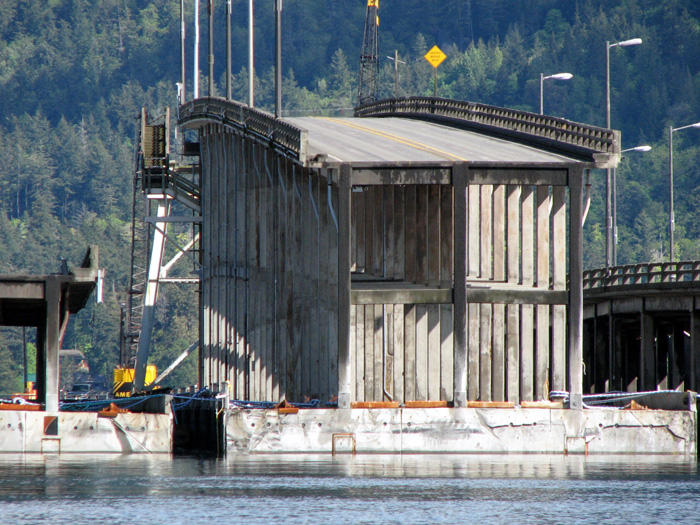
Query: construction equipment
162	184
124	380
369	60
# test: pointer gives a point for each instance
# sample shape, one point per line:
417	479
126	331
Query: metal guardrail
642	274
598	145
281	136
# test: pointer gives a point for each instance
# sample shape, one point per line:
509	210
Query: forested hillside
74	74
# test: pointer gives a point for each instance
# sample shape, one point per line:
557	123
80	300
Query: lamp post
278	58
251	54
557	76
614	201
609	173
671	218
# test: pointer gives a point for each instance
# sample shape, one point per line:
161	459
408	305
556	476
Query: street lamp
610	172
645	147
637	148
671	221
557	76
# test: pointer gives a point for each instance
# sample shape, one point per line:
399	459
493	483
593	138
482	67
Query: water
85	489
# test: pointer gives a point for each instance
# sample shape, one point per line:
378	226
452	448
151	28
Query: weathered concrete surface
25	431
463	430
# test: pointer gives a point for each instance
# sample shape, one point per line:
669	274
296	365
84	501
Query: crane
369	61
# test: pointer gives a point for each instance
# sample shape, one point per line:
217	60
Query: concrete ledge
462	430
37	431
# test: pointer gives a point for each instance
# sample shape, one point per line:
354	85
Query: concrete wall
270	272
290	256
36	431
464	430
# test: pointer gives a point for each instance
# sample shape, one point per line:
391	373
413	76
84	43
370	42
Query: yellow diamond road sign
435	56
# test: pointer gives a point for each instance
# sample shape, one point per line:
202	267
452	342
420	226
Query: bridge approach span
417	251
642	327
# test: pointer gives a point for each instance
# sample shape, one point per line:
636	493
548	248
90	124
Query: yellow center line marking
396	138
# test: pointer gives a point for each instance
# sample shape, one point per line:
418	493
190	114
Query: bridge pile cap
23	297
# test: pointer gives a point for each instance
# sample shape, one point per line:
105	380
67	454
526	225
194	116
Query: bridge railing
278	134
598	145
642	274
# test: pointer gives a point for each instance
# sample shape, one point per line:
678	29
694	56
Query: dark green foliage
75	73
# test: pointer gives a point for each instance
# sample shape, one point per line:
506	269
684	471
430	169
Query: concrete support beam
459	181
51	343
647	361
576	288
694	371
344	264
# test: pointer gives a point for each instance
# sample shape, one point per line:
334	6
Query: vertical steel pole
278	60
607	84
229	10
182	51
196	49
541	96
671	218
608	175
251	55
211	48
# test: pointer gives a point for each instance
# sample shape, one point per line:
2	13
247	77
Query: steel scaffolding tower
163	184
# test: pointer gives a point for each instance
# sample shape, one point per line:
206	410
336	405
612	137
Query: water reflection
348	489
467	465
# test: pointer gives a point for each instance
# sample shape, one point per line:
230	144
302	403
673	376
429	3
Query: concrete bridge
411	260
642	327
417	251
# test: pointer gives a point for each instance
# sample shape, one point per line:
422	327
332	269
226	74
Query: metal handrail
598	145
642	274
262	126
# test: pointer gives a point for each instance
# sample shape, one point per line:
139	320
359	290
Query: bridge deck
392	141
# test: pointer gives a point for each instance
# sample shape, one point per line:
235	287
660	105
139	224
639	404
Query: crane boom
369	60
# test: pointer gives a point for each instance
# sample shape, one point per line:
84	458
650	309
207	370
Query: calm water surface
84	489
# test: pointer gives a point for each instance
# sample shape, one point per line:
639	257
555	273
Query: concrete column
612	356
40	383
51	343
459	182
576	288
344	282
694	371
647	361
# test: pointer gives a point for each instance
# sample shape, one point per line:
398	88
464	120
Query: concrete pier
24	431
464	430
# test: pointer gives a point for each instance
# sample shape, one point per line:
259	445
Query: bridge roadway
400	141
642	327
